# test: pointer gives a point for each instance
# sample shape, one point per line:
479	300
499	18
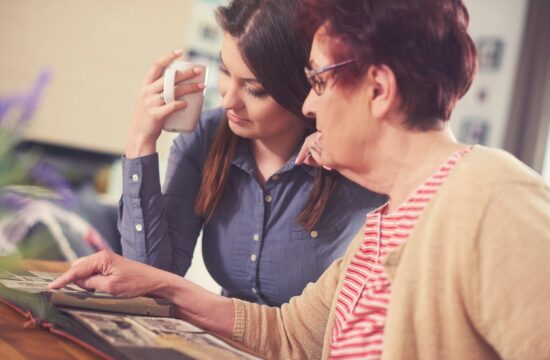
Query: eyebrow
245	80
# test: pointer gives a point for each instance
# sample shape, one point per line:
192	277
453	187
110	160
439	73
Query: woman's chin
241	130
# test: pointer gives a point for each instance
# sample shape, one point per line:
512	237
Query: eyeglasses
317	83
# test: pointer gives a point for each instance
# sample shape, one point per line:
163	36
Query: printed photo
209	340
48	276
6	275
34	283
190	333
139	331
167	326
72	288
28	286
118	330
490	51
33	278
474	131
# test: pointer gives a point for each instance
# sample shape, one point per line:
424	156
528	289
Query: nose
231	97
309	107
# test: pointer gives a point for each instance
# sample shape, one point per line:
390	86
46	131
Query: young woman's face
252	113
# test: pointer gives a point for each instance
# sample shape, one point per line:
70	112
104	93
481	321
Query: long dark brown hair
276	54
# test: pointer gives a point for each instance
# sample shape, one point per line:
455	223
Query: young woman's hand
112	273
310	153
151	110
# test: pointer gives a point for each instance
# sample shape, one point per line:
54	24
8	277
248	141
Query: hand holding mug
152	110
186	119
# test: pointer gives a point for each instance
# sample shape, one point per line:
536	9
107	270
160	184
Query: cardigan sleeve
513	271
293	331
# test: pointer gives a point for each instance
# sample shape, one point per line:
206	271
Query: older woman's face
342	115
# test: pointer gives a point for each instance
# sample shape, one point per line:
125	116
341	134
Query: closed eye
223	70
256	93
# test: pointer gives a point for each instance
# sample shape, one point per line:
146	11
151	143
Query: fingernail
327	168
201	86
178	51
197	70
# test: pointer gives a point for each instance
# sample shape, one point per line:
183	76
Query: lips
235	119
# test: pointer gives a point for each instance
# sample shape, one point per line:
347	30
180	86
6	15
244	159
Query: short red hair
424	42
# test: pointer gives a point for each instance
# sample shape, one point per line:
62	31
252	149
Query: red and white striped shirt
362	303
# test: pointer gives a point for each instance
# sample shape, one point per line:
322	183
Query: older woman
455	264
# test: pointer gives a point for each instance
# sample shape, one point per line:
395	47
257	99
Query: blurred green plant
16	111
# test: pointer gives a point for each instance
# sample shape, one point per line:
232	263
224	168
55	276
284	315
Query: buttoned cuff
140	176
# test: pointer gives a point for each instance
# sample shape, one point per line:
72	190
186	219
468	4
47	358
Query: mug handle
168	85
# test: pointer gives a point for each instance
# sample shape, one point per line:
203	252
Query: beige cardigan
471	282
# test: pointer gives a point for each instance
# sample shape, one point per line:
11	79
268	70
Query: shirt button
139	227
253	257
275	177
314	234
254	290
268	198
256	237
135	177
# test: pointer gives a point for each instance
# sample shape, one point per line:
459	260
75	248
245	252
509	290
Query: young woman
269	226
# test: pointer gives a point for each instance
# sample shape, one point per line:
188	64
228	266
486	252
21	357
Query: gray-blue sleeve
160	228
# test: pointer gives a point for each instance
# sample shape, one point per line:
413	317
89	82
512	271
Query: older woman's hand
310	153
120	276
112	273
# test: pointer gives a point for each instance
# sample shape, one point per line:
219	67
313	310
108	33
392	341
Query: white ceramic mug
186	119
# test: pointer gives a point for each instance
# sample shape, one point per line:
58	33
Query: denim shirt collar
245	161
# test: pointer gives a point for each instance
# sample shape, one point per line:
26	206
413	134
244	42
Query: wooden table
17	342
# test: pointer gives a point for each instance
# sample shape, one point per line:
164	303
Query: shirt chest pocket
320	234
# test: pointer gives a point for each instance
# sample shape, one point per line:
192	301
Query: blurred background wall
99	51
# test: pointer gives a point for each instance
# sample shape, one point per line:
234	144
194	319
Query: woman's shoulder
490	166
490	176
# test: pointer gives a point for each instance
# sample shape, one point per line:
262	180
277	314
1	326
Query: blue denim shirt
253	246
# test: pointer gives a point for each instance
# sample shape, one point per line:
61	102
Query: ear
382	90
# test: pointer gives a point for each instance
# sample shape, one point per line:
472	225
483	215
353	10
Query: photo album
111	327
